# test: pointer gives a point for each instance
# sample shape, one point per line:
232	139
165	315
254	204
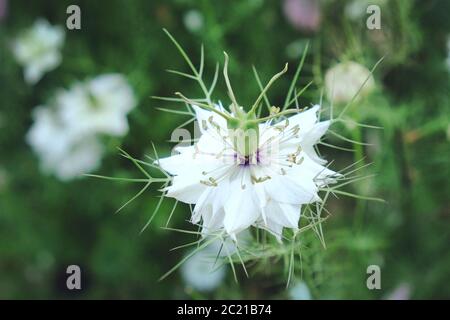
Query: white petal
312	137
32	74
177	163
310	169
210	203
273	227
305	120
186	188
319	129
212	221
189	161
214	144
241	209
201	205
284	189
286	215
204	118
291	214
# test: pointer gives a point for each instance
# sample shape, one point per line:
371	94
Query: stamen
281	128
214	124
300	161
261	179
208	183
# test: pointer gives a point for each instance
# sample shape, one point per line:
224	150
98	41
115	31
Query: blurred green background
46	224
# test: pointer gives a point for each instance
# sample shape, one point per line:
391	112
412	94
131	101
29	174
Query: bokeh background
47	224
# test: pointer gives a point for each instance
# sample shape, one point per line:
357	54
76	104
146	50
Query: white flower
61	151
401	292
202	272
99	105
343	81
300	291
66	135
38	49
266	188
193	20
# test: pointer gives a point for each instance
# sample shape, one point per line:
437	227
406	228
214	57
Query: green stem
359	158
205	106
267	87
282	113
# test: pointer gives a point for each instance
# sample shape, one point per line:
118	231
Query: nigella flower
303	14
66	134
202	271
247	171
60	150
346	80
299	291
38	49
193	20
402	292
99	105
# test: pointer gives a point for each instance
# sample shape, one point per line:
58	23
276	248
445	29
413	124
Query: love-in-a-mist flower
61	151
304	15
299	291
66	135
193	20
201	271
247	171
38	49
98	106
346	80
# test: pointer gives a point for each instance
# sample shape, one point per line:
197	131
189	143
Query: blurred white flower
303	14
193	20
402	292
343	81
38	49
66	135
201	271
60	151
299	291
99	105
265	188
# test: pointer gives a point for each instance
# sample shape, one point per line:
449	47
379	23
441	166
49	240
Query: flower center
246	161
